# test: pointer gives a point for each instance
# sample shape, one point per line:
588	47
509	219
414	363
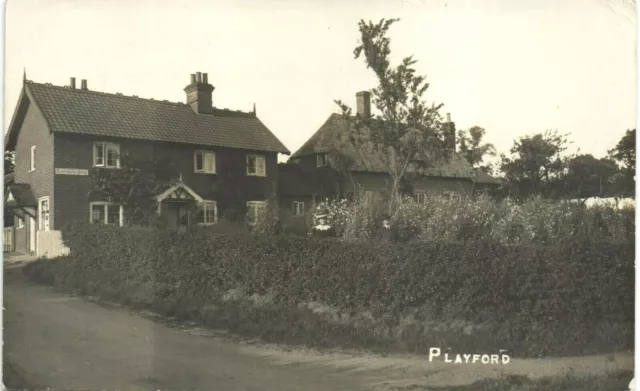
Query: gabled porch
180	208
20	233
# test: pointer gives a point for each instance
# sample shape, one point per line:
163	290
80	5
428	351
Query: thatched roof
325	140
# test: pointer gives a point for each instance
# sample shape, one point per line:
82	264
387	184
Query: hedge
574	297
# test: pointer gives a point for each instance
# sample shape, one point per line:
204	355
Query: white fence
8	239
49	244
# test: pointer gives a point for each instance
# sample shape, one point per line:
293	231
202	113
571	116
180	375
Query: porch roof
179	192
19	195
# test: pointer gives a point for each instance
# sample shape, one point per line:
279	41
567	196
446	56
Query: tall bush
536	220
561	298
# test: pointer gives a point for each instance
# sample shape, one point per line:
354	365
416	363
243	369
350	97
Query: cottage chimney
72	83
199	93
363	101
450	134
83	84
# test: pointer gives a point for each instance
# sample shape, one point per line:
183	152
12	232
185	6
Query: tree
134	185
534	163
407	134
625	151
9	162
586	176
473	150
624	154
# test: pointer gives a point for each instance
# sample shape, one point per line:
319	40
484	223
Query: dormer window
106	155
321	159
204	162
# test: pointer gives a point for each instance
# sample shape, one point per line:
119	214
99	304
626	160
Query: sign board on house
72	171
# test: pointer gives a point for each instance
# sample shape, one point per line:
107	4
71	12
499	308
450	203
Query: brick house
318	167
227	160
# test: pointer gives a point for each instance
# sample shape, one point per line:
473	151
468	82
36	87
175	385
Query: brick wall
34	131
230	187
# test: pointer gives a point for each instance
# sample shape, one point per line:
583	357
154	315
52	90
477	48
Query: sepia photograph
279	195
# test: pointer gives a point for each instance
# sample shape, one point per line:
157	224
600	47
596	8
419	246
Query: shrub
572	297
534	221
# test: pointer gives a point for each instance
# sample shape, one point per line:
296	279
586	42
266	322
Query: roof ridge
114	94
135	97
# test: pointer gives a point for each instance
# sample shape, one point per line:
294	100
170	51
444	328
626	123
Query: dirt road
65	342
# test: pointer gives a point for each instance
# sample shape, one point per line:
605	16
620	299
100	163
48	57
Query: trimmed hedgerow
575	297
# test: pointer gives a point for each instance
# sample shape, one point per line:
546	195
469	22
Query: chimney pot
363	100
83	84
205	78
199	94
72	84
450	134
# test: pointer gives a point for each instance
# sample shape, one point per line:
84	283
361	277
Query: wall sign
72	171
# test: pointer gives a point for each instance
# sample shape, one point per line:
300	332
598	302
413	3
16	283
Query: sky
514	68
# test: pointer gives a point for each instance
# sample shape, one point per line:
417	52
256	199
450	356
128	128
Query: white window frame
215	212
452	195
32	155
419	195
105	204
258	172
105	147
368	195
205	167
44	225
263	204
298	208
20	222
322	160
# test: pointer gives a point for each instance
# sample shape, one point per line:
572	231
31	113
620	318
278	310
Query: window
106	213
204	162
368	195
106	155
298	208
420	197
321	159
254	210
256	165
452	196
20	222
33	158
43	214
207	213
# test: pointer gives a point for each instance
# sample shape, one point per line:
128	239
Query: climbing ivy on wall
134	186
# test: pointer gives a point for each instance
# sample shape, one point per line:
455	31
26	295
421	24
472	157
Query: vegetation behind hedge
569	298
531	221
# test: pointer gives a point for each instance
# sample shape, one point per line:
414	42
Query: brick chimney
72	84
83	84
363	103
449	134
199	93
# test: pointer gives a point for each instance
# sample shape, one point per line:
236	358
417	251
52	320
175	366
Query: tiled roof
325	140
114	115
483	177
22	195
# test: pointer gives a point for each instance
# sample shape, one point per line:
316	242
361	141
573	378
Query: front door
178	215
